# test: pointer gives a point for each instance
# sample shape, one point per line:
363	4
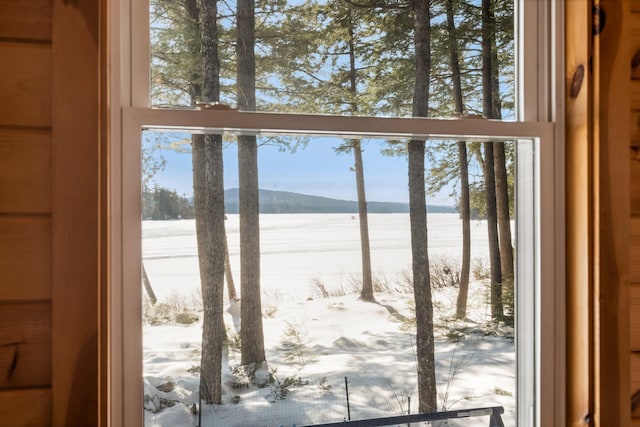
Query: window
347	93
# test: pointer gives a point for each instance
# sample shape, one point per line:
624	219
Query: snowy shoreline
318	341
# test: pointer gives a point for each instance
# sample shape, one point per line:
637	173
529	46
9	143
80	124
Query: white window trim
541	104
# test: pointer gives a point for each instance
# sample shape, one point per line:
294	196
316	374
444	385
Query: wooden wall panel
579	256
635	383
25	171
634	326
80	213
25	258
635	180
25	19
25	345
635	128
635	250
635	45
612	75
25	84
25	408
635	5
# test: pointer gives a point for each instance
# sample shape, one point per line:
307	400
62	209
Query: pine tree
427	394
251	332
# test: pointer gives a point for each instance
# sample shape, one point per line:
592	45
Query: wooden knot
599	19
635	403
576	81
635	61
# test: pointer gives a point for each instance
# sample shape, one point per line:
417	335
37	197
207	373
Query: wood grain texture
635	180
635	45
634	259
25	84
25	345
635	128
80	214
635	95
25	258
635	379
25	171
26	19
635	6
634	324
25	408
612	135
579	234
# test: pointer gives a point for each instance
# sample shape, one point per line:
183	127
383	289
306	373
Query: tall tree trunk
465	209
367	282
488	28
500	164
228	275
504	219
209	212
147	286
251	333
427	394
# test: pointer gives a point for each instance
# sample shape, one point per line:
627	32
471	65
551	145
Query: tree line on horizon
419	58
160	203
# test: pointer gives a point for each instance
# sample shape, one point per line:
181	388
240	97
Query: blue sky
315	169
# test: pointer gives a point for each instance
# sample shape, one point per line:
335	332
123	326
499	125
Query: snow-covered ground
314	342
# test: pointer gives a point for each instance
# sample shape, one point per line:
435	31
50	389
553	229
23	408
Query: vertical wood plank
579	185
25	258
635	183
25	408
612	215
635	128
25	84
29	20
635	379
634	323
634	243
25	345
25	171
79	212
634	43
612	106
635	95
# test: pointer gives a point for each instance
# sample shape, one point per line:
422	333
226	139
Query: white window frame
541	113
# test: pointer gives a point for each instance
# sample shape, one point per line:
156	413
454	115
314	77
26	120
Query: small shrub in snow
444	271
324	386
282	386
318	288
270	311
254	373
293	345
480	270
175	309
501	392
186	318
233	341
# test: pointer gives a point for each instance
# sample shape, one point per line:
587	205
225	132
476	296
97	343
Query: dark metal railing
494	412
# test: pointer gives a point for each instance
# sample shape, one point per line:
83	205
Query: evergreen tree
488	31
209	208
251	333
427	394
464	207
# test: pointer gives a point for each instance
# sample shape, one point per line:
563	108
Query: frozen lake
297	249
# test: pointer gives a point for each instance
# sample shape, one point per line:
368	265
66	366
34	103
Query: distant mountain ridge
289	202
